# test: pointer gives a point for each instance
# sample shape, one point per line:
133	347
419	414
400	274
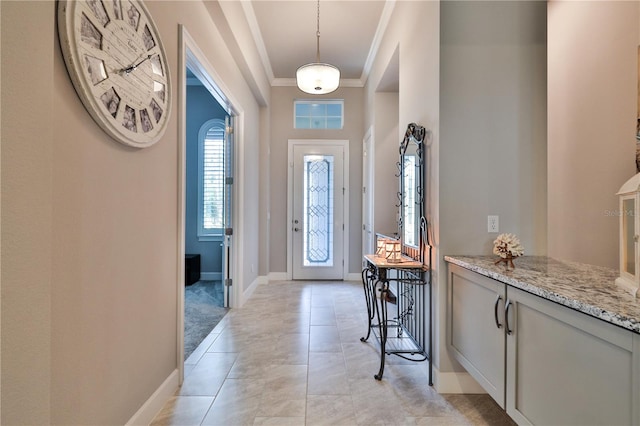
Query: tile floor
293	356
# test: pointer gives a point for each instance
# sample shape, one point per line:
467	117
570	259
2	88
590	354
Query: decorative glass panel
303	123
334	123
318	210
318	114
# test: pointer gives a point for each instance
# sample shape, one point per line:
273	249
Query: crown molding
250	15
389	5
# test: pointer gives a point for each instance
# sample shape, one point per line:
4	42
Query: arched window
211	179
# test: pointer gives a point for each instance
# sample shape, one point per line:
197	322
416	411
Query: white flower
507	244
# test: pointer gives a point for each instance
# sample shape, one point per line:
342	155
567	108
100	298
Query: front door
318	211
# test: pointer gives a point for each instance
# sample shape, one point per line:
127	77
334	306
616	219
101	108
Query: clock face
118	66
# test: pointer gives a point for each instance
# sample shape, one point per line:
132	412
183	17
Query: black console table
406	330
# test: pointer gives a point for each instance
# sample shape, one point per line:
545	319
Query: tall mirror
411	222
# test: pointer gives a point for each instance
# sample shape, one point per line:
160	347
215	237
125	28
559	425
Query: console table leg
370	298
382	324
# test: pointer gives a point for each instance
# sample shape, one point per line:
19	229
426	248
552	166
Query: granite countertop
586	288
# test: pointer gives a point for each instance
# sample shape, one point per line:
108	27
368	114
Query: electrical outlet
493	224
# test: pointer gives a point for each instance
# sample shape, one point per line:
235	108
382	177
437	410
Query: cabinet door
564	367
476	306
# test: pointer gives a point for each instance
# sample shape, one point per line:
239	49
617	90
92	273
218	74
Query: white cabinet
476	328
564	367
558	366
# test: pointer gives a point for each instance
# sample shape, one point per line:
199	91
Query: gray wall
412	39
386	156
90	246
593	89
28	210
493	124
492	130
281	131
201	107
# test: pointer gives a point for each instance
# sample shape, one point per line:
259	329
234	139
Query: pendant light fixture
318	78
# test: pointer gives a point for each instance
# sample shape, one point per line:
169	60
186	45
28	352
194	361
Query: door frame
345	209
368	167
191	55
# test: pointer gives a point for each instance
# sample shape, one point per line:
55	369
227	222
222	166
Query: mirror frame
414	134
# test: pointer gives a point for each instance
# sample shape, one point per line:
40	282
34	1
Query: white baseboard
248	292
282	276
154	404
353	277
211	276
277	276
460	382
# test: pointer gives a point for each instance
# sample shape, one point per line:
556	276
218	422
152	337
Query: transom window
211	178
318	114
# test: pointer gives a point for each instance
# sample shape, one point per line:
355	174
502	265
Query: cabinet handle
506	316
495	311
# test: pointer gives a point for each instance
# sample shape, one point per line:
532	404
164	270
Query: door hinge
228	180
228	231
230	130
228	282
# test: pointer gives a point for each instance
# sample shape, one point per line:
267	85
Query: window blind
213	179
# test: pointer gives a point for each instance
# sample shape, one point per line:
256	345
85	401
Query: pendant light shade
318	78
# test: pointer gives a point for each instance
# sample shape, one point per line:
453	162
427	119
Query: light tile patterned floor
292	356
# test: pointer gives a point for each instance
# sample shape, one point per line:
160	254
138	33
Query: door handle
507	306
495	311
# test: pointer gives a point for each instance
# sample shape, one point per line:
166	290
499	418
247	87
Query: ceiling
285	33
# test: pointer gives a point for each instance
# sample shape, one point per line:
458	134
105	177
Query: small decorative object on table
381	244
394	252
508	247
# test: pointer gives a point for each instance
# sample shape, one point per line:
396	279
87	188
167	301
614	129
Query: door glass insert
318	210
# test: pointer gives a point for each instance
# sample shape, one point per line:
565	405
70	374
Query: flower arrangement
508	247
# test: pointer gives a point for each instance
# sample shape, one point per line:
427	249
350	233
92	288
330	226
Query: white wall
90	240
593	91
492	132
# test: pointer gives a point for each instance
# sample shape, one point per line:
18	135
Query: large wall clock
118	67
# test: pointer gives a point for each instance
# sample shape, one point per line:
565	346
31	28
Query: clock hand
129	70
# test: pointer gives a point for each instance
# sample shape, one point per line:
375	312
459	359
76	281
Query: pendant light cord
318	34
